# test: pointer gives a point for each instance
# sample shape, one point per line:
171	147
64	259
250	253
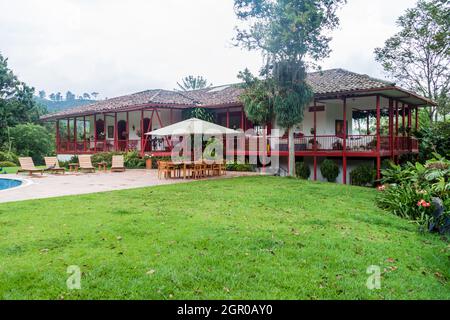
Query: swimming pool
9	183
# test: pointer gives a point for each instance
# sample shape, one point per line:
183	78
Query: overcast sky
118	47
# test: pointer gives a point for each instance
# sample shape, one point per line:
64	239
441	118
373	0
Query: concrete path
48	186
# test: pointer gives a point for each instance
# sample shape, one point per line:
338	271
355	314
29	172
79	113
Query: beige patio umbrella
193	126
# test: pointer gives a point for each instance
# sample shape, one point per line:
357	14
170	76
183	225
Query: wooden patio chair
118	164
164	170
86	163
27	165
52	165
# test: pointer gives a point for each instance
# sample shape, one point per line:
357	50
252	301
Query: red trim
57	135
344	159
378	137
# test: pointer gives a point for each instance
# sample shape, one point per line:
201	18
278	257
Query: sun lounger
117	164
27	165
52	165
85	163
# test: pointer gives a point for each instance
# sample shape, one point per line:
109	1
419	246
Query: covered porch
125	131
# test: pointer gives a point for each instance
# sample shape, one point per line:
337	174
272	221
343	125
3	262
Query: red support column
378	138
95	133
116	135
391	128
228	117
397	112
315	125
403	119
142	133
344	157
75	133
105	131
84	133
68	134
242	119
417	118
57	136
128	132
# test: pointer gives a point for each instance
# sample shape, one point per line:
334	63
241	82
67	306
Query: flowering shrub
417	192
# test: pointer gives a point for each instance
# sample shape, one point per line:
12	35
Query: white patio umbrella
193	126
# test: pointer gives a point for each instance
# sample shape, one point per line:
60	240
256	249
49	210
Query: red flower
423	203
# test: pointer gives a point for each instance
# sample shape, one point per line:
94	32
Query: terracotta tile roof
323	82
339	80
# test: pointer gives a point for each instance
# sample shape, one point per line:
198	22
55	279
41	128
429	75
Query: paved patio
48	186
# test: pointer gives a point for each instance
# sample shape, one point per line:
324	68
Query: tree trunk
291	168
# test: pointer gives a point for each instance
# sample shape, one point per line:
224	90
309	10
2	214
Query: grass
244	238
13	170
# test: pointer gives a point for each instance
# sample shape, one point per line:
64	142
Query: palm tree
193	83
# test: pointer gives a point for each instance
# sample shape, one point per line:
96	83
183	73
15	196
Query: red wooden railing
322	143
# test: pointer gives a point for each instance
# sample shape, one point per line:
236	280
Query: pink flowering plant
412	190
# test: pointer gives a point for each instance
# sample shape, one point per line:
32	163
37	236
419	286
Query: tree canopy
290	36
418	56
193	83
17	104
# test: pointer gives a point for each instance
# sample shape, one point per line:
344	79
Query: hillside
54	106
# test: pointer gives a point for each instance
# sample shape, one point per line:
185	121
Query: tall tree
287	33
95	95
193	83
418	56
86	96
58	96
42	94
17	104
70	96
52	96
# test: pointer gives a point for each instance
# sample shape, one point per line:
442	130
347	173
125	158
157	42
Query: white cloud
118	47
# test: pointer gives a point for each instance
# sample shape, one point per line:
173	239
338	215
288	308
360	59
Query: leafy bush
32	140
133	160
407	188
7	164
240	167
434	139
363	175
302	170
156	159
10	157
329	170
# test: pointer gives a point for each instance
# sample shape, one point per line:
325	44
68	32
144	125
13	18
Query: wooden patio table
73	167
102	165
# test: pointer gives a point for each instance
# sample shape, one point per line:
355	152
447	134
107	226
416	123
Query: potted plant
311	143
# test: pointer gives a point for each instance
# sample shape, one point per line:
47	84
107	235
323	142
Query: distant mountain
55	106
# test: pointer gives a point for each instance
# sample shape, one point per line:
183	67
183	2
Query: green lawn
13	170
244	238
